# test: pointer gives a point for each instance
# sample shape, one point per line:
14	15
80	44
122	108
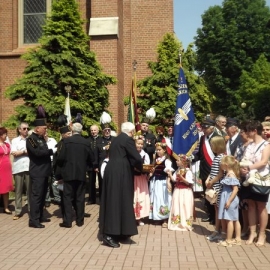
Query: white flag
67	110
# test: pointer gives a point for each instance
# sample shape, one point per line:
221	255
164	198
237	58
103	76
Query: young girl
141	192
229	201
181	214
160	186
218	147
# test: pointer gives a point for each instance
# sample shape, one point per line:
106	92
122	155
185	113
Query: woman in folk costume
160	186
181	214
141	191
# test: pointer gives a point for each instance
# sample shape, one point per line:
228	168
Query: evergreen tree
231	39
62	58
160	89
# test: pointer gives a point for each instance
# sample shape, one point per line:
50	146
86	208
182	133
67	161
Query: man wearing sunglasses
20	167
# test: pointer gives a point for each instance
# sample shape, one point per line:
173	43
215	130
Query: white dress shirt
20	163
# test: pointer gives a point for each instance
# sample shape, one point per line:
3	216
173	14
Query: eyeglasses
25	128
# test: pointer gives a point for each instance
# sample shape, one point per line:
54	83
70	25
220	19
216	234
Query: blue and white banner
185	131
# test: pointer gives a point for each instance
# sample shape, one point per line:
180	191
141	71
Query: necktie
171	140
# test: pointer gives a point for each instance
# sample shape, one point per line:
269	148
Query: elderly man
150	139
234	136
40	169
74	154
93	168
220	126
205	155
20	167
117	217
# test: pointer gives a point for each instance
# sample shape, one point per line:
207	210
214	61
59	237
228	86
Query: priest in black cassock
117	219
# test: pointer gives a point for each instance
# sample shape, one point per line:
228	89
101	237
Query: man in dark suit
103	145
205	155
75	154
150	139
39	170
93	168
234	136
117	217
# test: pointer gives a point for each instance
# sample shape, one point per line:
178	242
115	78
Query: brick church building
121	31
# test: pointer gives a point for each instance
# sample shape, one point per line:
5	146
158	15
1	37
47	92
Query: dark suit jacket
39	155
101	143
235	143
205	167
75	154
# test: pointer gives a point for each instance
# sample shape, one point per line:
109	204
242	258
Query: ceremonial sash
168	145
207	151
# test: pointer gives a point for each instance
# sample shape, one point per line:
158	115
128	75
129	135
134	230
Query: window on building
32	15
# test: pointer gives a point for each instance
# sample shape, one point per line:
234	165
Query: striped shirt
214	172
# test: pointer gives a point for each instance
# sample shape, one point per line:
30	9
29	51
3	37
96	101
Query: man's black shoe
79	224
205	219
64	225
47	204
37	225
212	222
87	215
90	202
56	202
44	220
110	242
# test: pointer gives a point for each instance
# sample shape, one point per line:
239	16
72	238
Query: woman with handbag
258	153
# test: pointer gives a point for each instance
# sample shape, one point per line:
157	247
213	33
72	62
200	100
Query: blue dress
232	212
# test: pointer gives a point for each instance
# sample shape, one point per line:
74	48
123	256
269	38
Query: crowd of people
139	179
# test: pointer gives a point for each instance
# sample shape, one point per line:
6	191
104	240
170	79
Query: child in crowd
218	147
141	191
181	214
229	201
160	186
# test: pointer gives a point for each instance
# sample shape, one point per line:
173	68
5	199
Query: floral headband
139	137
163	145
186	158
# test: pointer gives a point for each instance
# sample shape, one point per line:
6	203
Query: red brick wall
142	24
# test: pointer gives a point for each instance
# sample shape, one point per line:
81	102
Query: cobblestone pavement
22	247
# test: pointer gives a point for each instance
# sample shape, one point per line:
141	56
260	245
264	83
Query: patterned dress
141	202
181	214
160	198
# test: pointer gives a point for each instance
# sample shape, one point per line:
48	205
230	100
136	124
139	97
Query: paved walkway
22	247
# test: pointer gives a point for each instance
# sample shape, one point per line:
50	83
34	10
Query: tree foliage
254	90
231	39
160	89
62	58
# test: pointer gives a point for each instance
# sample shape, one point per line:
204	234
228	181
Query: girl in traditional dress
229	201
141	192
181	214
160	186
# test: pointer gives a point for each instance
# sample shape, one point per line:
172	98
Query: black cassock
116	209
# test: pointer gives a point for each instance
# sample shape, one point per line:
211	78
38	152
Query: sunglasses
25	128
205	126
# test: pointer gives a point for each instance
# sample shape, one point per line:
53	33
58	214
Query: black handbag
263	190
